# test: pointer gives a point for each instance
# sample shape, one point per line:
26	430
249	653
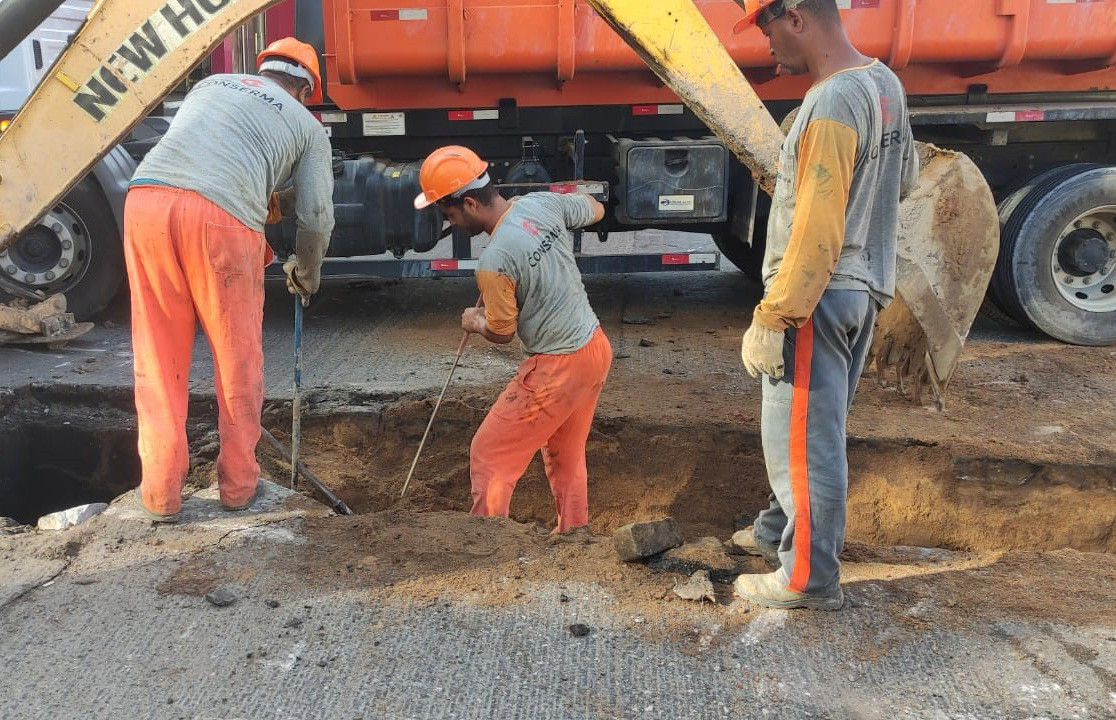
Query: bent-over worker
195	251
531	287
829	267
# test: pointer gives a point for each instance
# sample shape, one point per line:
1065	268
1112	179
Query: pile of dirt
425	558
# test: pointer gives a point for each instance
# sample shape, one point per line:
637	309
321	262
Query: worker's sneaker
770	590
153	516
746	542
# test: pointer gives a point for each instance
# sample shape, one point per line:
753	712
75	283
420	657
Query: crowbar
335	502
296	405
441	396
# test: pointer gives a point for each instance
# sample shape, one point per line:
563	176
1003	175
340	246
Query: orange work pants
548	405
189	260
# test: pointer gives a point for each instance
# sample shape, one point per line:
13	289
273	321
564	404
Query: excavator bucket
949	235
124	60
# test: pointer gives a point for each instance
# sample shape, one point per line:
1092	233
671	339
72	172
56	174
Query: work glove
300	281
762	351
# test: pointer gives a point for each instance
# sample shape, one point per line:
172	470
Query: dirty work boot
246	505
769	590
153	516
745	541
581	534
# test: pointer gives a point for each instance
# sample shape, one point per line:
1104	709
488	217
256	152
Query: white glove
762	351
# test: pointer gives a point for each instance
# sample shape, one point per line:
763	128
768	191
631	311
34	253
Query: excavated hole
47	466
703	474
706	475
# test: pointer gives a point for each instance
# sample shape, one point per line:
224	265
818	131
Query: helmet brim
746	24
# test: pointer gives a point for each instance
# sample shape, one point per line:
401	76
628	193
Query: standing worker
829	268
195	250
530	286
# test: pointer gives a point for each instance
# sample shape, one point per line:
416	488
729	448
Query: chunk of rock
74	516
698	587
579	630
642	540
221	597
11	526
704	554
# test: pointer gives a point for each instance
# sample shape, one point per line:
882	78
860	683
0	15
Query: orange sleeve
274	213
826	158
501	311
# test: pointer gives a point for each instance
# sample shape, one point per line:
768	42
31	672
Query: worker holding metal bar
531	287
829	268
195	250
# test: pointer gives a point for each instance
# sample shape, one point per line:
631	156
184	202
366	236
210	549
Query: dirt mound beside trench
428	557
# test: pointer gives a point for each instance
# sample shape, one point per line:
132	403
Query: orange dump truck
553	97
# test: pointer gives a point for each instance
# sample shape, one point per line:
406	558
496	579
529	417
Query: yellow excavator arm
949	232
127	56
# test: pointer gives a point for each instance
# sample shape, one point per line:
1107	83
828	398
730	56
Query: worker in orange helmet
195	251
531	287
829	267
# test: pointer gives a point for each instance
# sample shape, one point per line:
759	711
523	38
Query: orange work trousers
189	260
549	405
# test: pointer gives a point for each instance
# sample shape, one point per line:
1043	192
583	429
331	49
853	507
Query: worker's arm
313	209
580	210
826	157
911	166
498	319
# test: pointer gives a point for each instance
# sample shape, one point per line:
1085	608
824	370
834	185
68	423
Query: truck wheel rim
1083	262
51	256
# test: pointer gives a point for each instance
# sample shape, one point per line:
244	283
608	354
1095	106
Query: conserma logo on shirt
248	86
545	244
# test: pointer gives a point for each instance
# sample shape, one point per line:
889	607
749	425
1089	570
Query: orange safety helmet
293	51
754	8
447	171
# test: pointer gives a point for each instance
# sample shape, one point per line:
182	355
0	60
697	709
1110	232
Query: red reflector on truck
657	109
403	14
474	114
452	265
690	259
1007	116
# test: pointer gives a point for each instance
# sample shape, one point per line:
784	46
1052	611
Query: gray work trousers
803	430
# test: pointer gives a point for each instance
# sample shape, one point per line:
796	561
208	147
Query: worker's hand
762	351
472	320
300	282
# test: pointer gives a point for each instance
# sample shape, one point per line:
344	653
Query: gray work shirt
238	138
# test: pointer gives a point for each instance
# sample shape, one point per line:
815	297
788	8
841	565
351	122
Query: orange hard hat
753	8
447	171
294	52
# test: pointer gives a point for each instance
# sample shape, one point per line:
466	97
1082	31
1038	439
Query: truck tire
76	250
748	258
999	307
1057	265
